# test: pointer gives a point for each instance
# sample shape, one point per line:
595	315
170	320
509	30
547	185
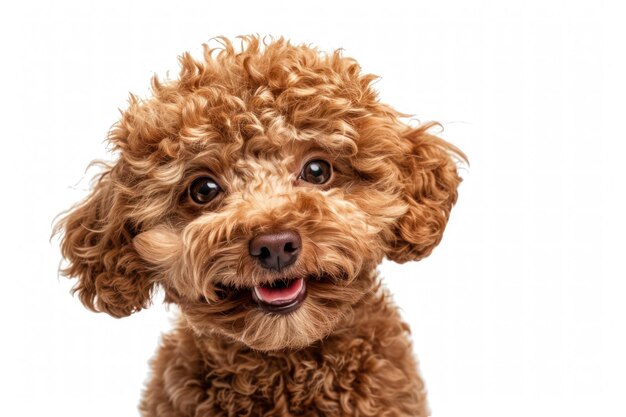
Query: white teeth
256	292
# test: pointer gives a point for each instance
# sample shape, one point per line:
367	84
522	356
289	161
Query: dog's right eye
203	189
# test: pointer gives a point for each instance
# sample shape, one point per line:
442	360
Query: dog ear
97	243
430	182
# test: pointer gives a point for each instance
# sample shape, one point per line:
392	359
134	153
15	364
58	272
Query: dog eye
317	171
203	189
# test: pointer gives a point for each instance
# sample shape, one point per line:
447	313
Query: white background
520	311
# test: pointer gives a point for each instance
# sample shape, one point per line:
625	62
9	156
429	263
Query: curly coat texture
250	119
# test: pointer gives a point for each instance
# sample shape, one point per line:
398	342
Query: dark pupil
317	172
204	190
316	169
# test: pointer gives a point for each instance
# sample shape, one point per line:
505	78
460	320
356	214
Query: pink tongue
279	295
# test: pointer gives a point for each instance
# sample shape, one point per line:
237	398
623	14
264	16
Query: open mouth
282	296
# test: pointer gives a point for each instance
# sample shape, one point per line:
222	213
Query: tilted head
260	190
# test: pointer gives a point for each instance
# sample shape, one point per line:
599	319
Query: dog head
260	190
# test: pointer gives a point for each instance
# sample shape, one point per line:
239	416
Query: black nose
276	250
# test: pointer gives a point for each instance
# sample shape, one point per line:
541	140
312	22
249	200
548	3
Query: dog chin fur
279	137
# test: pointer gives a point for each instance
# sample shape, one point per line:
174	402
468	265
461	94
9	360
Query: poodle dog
260	190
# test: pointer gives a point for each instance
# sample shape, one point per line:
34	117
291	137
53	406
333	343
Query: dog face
259	190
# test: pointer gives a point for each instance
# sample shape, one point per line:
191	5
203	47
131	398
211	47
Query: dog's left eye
317	171
203	189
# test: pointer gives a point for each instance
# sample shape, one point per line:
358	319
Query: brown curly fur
251	118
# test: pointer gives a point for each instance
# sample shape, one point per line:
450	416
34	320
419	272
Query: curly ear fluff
96	242
430	180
